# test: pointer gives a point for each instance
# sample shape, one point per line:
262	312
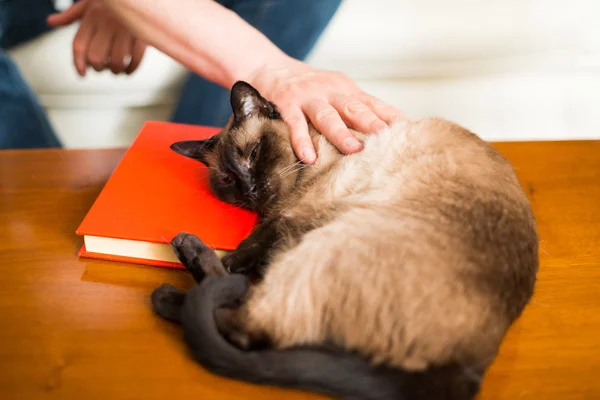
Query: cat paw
196	256
167	301
225	319
235	263
244	262
187	246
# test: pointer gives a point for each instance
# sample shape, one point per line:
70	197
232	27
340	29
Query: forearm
202	35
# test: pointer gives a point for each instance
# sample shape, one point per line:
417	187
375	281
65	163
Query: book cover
155	193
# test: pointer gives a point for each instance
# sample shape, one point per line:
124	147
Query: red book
155	193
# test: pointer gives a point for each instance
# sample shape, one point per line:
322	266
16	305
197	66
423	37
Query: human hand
101	40
330	100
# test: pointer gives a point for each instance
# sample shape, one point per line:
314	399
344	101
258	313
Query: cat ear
196	149
246	101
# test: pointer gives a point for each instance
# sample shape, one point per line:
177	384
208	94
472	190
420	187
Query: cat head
250	161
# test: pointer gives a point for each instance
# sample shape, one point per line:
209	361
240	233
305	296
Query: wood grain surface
83	329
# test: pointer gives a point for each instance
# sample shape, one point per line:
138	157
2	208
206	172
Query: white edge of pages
133	248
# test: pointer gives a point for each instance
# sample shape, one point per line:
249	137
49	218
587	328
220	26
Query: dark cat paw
167	301
246	262
187	247
234	263
225	320
197	257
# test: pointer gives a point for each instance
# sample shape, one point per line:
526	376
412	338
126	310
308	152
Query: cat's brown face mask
251	162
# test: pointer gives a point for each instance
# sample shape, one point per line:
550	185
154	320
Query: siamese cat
391	273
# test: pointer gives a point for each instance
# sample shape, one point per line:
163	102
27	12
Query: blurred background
506	69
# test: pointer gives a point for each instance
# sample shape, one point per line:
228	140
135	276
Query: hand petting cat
331	100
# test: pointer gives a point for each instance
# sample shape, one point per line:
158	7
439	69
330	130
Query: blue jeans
293	25
23	120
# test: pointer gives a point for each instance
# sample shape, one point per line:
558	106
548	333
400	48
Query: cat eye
256	150
254	153
227	179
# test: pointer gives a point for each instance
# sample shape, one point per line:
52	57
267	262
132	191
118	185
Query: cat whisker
292	171
288	167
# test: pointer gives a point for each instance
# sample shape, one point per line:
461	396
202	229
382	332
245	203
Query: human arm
217	44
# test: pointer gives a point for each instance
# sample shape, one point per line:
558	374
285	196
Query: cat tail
327	370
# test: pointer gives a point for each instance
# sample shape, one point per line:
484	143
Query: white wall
507	69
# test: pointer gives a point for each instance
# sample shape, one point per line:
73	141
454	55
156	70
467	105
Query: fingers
328	121
68	16
356	114
385	112
137	53
121	49
109	47
331	101
99	49
301	141
100	41
81	42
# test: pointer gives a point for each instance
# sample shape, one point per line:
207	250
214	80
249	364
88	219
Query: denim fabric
23	121
293	25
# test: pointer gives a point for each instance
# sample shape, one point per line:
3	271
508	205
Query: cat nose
252	190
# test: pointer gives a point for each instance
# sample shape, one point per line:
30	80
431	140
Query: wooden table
83	329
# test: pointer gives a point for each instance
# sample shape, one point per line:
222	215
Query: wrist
274	72
245	54
271	63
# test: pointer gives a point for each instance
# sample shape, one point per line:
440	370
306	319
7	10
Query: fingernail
307	155
352	144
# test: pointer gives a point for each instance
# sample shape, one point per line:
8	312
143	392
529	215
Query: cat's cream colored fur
427	254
